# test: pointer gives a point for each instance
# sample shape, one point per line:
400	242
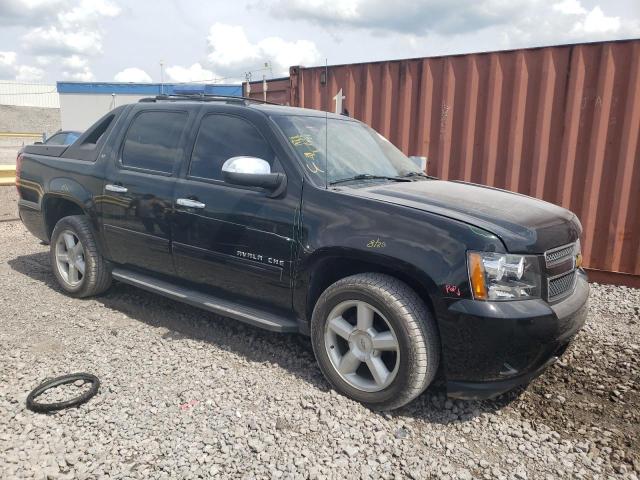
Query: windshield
354	150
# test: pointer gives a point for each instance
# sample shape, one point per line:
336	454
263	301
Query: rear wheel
77	264
375	340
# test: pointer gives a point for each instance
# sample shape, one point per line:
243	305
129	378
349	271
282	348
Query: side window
71	137
153	141
221	137
57	139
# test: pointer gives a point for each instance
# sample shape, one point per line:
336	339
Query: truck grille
559	255
561	285
561	271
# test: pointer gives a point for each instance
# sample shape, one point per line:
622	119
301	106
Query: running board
226	308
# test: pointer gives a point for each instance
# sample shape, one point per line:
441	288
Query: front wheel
375	340
77	264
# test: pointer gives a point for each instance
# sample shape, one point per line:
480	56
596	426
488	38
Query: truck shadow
291	352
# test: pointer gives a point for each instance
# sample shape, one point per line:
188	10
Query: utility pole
247	77
267	65
161	77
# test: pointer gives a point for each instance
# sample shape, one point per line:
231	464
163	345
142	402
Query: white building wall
78	111
29	95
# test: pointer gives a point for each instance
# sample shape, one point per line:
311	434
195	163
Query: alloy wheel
362	346
70	259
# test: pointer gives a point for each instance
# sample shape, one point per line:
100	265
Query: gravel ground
186	394
8	203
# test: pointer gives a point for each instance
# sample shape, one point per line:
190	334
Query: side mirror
251	172
38	143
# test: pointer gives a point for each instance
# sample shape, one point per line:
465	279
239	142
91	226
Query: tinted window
153	141
222	137
72	137
57	139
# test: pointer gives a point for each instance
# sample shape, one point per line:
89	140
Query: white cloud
54	41
77	68
28	12
75	62
568	21
8	58
231	52
83	75
68	32
194	73
26	73
597	22
44	60
132	74
403	16
285	54
519	22
7	65
11	70
569	7
87	12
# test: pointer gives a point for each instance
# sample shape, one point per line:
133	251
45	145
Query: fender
350	261
69	189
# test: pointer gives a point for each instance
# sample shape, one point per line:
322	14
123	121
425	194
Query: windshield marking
356	151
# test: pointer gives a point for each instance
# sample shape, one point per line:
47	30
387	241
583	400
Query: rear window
57	139
153	141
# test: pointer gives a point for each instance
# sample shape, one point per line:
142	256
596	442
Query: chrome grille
559	255
561	285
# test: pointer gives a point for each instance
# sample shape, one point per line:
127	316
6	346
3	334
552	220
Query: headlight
501	276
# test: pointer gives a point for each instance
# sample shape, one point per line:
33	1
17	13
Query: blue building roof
147	88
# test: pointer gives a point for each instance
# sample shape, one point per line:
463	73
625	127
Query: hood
524	224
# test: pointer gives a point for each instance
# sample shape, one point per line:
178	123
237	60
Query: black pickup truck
300	221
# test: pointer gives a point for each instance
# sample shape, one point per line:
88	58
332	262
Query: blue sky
107	40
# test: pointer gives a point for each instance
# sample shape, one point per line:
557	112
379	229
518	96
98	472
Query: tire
411	363
96	277
54	382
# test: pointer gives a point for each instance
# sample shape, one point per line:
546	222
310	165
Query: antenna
326	127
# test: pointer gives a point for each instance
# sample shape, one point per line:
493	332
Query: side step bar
226	308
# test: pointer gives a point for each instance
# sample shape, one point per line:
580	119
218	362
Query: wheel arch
56	206
328	266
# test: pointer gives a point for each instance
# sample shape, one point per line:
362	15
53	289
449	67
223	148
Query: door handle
116	188
187	202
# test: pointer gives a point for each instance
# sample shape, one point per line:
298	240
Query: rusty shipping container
278	90
558	123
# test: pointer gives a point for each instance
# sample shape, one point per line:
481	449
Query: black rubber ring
54	382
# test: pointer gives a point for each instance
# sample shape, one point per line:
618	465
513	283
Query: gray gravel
8	203
186	394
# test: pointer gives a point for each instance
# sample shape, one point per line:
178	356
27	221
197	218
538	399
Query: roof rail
203	97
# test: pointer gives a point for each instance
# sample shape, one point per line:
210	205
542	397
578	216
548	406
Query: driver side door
230	240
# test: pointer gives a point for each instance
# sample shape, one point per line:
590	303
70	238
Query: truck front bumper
492	347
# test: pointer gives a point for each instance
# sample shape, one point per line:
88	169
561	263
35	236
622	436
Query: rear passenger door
236	240
139	185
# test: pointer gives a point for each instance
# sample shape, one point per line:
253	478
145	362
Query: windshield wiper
367	176
417	174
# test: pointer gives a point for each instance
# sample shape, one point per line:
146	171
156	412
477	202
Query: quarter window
57	139
153	141
221	137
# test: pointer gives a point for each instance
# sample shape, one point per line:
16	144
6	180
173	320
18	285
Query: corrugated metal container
29	95
277	90
558	123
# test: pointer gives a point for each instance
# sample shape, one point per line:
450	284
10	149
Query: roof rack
203	97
